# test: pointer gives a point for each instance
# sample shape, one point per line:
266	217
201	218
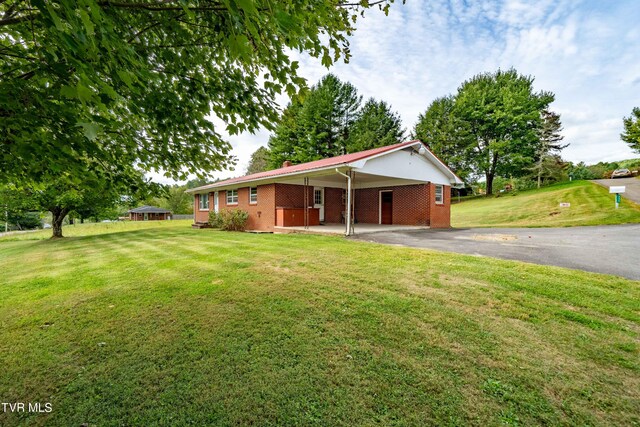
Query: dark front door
386	207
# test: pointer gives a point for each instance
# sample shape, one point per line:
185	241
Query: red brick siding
410	205
198	215
292	196
262	215
150	216
333	205
440	214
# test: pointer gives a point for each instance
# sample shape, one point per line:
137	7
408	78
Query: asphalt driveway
610	249
632	190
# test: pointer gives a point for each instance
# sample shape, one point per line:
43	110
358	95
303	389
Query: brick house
400	184
149	213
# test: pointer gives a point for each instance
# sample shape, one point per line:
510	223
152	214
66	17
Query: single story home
400	184
149	213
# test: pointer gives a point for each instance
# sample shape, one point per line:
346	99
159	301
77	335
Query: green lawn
174	326
591	204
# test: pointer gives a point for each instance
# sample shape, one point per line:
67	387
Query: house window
317	197
232	197
439	194
253	195
204	202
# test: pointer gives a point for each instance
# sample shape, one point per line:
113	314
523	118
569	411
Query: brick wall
440	214
292	196
333	205
410	205
201	216
151	216
262	215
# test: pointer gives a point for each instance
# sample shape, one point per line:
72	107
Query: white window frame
253	197
439	198
203	201
232	197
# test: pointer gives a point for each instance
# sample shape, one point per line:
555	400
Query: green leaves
631	133
91	130
328	121
87	83
490	126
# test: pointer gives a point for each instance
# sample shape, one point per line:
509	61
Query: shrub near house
231	220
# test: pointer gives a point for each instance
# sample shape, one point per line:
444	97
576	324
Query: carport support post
348	219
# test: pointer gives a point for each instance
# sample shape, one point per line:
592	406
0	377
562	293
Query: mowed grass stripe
311	330
591	204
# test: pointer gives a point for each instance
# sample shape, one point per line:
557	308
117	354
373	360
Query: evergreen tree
550	138
631	134
317	126
376	126
260	161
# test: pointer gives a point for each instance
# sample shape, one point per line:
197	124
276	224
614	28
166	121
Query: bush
215	219
229	220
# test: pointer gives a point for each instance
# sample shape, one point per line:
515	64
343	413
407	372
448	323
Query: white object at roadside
618	189
565	205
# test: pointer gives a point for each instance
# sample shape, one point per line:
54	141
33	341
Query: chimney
286	163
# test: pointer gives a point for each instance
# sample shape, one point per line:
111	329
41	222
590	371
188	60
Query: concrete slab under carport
358	229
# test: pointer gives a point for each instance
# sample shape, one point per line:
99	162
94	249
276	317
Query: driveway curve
611	249
632	190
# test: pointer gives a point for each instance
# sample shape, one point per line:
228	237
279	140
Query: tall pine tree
550	138
328	121
376	126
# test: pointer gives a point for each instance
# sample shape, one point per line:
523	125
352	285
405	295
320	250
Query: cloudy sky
586	52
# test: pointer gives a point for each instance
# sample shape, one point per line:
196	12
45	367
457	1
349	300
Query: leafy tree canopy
631	133
446	134
89	84
93	193
260	161
174	199
376	126
328	121
494	121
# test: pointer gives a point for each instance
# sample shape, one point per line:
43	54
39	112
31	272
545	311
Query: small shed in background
149	213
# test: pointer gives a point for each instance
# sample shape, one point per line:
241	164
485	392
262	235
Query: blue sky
586	52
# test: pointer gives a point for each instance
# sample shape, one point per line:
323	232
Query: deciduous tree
132	82
495	121
92	192
446	134
631	133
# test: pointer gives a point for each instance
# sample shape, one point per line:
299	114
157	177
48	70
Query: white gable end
405	164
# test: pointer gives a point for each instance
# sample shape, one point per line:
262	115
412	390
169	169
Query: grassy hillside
591	204
173	326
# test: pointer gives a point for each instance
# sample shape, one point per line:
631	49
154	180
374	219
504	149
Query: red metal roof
318	164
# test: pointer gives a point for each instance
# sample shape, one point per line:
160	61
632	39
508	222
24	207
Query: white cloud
583	51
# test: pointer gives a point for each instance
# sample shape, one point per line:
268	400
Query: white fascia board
406	165
265	180
455	181
423	151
